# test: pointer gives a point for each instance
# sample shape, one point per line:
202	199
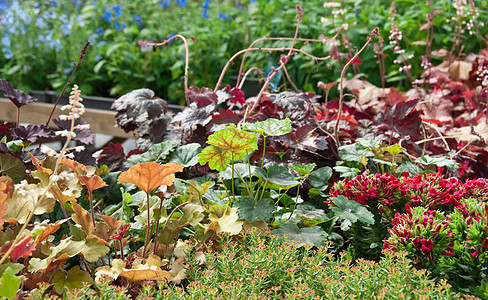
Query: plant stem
373	34
186	58
148	225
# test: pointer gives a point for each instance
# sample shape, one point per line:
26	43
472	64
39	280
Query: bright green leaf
394	149
303	170
10	284
270	127
226	145
239	169
409	167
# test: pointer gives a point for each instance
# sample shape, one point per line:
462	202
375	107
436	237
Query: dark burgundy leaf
5	126
401	118
18	97
113	156
237	96
225	116
265	110
85	157
134	151
185	122
302	137
31	133
85	136
144	113
202	97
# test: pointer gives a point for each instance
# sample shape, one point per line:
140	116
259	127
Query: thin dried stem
373	34
141	43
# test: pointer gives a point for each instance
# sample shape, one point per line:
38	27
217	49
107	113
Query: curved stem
239	86
186	58
221	78
373	34
268	39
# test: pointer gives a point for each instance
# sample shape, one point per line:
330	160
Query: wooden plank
101	121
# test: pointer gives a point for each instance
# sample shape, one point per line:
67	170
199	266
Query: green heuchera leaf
12	166
250	209
308	235
277	177
303	170
353	152
156	152
409	167
240	168
72	280
269	127
319	178
451	164
346	171
227	145
350	212
186	155
10	284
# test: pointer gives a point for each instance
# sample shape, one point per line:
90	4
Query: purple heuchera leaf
84	136
266	110
31	133
147	115
202	97
18	97
401	118
302	137
298	106
85	157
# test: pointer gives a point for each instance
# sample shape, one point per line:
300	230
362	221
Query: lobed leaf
150	175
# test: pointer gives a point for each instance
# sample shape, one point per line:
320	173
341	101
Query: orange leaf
52	228
36	163
111	221
74	165
93	182
5	188
150	175
82	217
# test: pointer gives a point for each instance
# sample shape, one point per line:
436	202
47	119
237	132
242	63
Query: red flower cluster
383	188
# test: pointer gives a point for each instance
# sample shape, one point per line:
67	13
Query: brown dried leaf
82	217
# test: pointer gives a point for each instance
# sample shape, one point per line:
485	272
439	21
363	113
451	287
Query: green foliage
10	283
350	211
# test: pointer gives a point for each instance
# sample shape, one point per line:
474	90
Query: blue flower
181	3
206	4
100	30
117	25
204	13
54	3
107	17
164	3
4	5
77	3
98	58
222	16
138	19
118	10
